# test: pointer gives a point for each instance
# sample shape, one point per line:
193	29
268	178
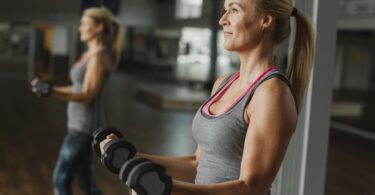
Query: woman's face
88	29
242	28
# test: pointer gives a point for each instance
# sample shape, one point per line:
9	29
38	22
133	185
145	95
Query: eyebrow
235	3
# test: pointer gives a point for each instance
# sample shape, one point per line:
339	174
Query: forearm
183	168
66	94
237	187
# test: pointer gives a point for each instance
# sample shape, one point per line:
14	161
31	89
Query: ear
267	20
99	28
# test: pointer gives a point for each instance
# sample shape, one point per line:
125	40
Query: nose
223	20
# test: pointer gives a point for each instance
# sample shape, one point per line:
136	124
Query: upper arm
96	70
273	118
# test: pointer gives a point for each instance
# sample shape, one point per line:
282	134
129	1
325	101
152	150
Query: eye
234	10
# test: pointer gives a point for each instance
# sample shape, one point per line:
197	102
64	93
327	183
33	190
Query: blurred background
173	52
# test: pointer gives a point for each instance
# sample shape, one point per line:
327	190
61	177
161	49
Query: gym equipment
146	177
41	87
116	152
101	134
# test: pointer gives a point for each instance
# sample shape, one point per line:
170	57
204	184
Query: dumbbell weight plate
116	153
128	166
149	178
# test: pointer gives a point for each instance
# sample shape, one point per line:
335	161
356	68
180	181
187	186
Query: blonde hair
301	60
112	35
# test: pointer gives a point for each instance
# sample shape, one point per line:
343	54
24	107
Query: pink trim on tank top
82	59
86	55
206	107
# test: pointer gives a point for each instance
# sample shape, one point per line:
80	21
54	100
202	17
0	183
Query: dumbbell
41	87
145	177
115	152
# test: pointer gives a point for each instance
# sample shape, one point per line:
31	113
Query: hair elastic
294	12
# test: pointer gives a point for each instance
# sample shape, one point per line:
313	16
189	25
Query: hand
108	138
33	84
41	87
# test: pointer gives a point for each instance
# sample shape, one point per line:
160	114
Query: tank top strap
222	85
225	81
275	73
85	57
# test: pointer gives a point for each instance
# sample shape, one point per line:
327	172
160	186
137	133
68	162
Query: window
188	9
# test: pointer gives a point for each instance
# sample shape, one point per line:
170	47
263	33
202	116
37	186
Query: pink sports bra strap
206	107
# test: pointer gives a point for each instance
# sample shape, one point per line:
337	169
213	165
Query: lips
227	33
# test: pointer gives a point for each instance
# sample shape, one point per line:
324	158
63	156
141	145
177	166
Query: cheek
87	31
241	33
249	32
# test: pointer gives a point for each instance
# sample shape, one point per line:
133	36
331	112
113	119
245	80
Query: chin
229	47
82	39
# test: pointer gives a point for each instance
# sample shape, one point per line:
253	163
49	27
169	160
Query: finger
111	136
34	81
102	144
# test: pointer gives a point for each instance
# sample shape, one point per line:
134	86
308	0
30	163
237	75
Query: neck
94	45
254	62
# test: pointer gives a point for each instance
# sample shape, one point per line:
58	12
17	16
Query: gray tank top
81	117
221	138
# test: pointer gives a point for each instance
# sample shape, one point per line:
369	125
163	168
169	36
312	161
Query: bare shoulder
274	95
100	59
273	86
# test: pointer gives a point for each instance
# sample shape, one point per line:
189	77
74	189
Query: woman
89	74
244	129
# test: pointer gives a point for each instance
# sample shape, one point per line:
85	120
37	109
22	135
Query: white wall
166	16
60	40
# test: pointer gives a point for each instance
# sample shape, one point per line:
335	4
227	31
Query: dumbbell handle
41	87
99	136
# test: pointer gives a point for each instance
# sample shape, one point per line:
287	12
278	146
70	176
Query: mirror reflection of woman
89	74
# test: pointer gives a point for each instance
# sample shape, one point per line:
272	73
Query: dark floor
33	129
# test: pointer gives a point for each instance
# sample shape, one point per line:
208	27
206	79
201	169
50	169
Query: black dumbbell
146	177
41	87
116	152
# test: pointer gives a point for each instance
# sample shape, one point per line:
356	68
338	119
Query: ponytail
301	60
117	43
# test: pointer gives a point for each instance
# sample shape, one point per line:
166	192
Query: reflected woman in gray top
88	75
244	128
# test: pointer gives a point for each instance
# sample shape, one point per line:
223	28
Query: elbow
194	161
254	186
194	165
86	99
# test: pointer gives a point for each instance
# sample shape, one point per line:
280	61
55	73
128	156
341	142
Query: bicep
272	123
